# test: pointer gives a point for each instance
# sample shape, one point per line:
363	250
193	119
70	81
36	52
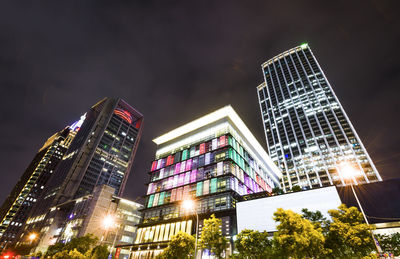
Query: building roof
222	113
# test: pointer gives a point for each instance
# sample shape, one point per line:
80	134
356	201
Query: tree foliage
296	188
254	244
212	238
181	246
78	248
390	243
82	244
277	191
99	252
311	235
54	249
349	236
298	237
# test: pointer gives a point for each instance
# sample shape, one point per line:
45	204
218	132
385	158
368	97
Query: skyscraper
101	153
213	160
309	136
17	206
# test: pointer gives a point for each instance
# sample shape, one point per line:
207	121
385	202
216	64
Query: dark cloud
175	61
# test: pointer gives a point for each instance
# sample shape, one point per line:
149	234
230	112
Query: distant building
212	160
307	130
101	153
18	205
87	214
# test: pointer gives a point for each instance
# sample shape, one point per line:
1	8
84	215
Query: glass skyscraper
213	160
308	133
101	153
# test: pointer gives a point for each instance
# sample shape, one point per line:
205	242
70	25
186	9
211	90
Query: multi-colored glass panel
200	163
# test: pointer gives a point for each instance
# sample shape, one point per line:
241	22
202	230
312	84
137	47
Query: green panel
151	199
184	154
192	151
235	156
199	189
161	199
230	154
230	140
213	187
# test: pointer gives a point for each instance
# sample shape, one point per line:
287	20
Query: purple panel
189	165
193	175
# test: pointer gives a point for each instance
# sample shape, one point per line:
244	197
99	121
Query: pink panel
177	168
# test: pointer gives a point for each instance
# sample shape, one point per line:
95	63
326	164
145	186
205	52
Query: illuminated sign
124	115
78	124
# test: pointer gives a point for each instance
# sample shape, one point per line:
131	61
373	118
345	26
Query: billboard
258	214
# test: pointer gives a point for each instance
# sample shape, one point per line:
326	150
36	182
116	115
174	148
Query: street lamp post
347	172
115	238
190	205
109	222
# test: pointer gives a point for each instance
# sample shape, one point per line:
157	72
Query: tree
78	247
212	238
296	188
72	254
348	235
390	243
297	237
277	191
254	244
180	246
53	249
316	218
81	244
100	252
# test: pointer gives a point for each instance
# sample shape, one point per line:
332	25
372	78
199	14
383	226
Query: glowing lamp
347	170
32	236
108	221
188	205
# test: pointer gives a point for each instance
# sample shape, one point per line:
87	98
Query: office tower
110	218
308	133
213	160
101	153
28	189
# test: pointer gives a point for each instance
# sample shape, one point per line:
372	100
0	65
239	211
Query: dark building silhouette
17	206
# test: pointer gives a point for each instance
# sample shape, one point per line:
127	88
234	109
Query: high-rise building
101	153
309	136
213	160
17	206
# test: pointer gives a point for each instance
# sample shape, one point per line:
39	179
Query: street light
348	171
32	237
110	222
190	205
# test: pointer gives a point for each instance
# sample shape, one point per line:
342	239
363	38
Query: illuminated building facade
27	191
86	215
101	153
307	130
213	160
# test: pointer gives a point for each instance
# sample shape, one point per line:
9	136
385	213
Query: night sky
175	61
